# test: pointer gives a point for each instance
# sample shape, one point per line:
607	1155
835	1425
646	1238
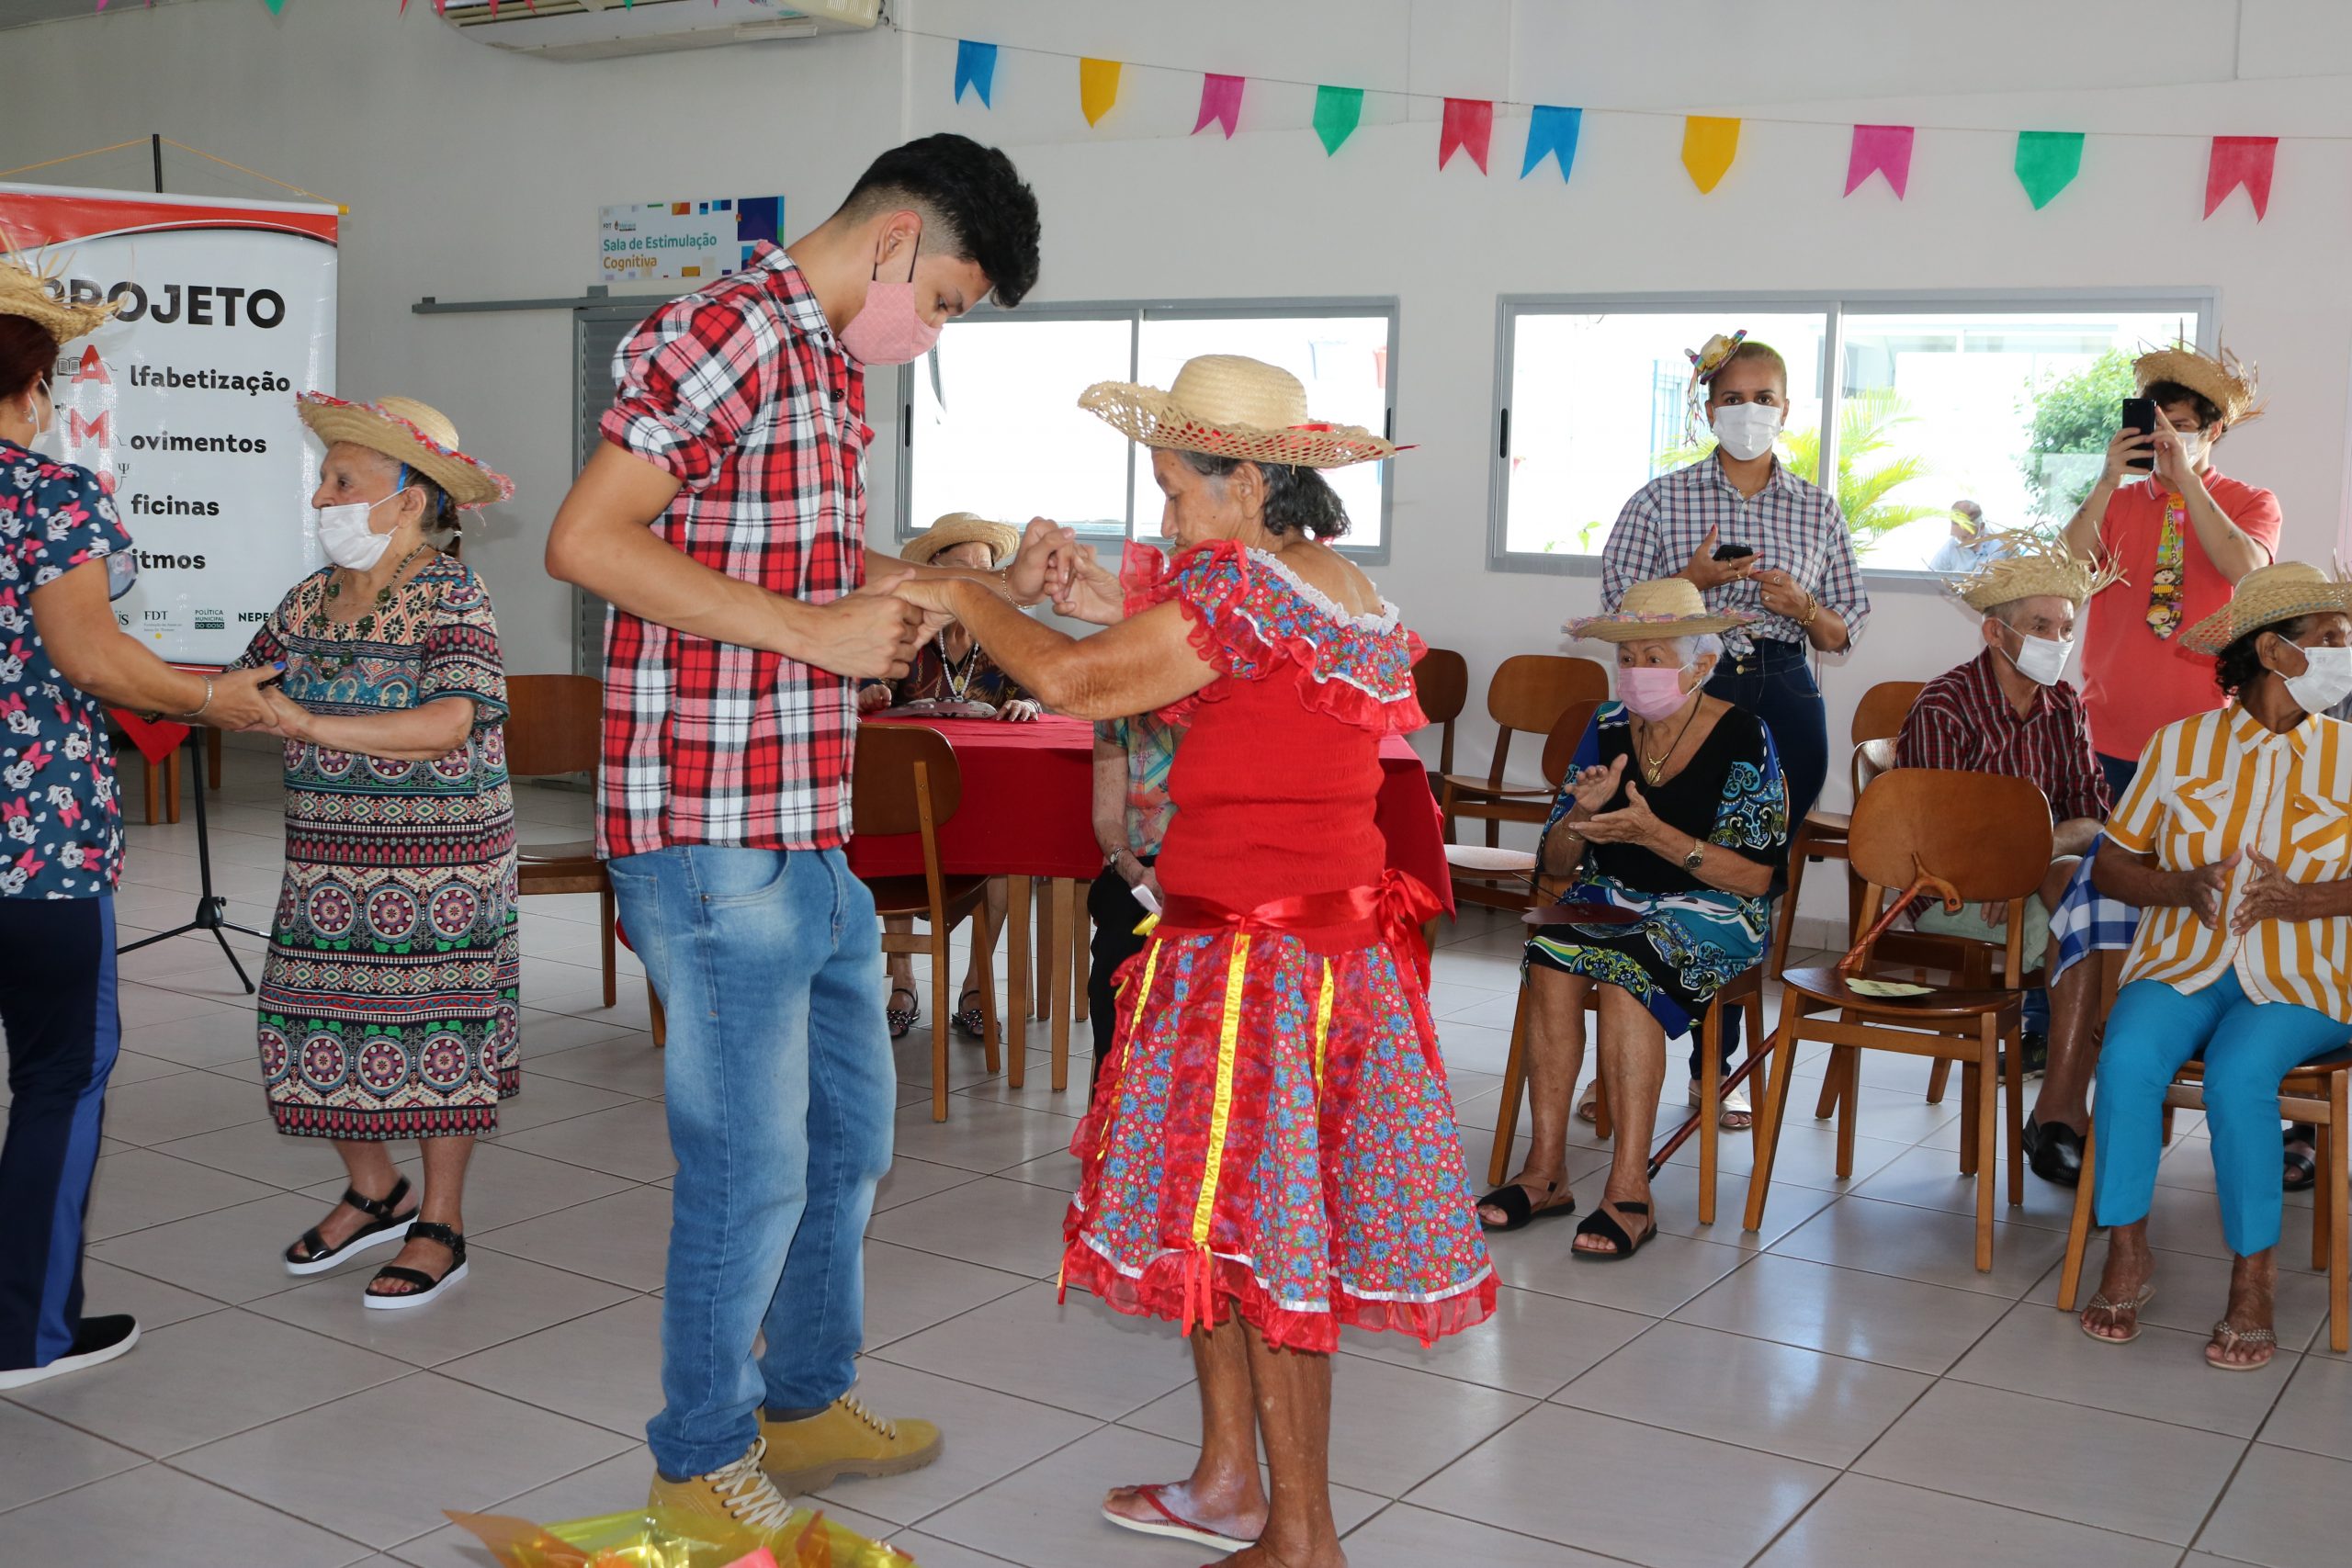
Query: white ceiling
25	13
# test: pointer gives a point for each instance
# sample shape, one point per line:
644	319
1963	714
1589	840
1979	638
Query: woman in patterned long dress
389	1002
1271	1154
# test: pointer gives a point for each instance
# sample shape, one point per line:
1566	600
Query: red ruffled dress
1272	1135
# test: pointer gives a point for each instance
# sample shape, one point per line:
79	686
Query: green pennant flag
1337	112
2048	162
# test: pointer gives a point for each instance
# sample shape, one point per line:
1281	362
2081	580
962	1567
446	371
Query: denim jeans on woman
780	1090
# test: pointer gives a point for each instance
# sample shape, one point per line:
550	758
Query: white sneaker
99	1340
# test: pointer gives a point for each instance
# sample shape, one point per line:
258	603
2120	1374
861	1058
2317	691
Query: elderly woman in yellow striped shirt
2236	838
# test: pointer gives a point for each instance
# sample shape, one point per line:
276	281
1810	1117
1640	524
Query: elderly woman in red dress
1272	1154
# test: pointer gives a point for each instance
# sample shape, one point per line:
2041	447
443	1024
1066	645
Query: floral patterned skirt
1273	1136
389	1000
1685	948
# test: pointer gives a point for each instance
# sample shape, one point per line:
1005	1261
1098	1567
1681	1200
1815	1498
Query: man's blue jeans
780	1090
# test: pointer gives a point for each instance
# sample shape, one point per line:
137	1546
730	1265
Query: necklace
319	625
958	683
1654	768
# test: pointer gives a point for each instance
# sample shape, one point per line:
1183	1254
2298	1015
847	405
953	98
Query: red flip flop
1171	1524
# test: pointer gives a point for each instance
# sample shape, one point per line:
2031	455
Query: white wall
473	174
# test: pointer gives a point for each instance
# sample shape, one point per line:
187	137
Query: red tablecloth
1028	808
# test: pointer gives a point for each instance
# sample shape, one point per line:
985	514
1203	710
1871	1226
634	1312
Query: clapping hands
1632	823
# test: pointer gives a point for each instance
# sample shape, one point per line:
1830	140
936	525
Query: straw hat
1228	406
2265	597
2033	568
963	528
1664	607
24	292
408	432
2228	383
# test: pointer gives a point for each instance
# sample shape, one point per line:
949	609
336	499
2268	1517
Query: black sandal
902	1019
970	1021
389	1225
1603	1223
1519	1209
2302	1171
427	1287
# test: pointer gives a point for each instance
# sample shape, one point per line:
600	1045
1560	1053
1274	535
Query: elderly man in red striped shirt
2010	710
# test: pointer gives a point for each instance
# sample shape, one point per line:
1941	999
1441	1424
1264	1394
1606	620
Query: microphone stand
211	909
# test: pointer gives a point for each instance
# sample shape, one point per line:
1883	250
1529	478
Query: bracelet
1003	575
1813	609
207	703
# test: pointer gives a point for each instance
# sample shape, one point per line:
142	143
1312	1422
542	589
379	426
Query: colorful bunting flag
1880	149
1337	111
1709	145
1220	103
1552	133
1098	88
976	68
2237	161
1469	125
2047	163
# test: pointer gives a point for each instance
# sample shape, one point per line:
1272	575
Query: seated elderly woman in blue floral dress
1675	811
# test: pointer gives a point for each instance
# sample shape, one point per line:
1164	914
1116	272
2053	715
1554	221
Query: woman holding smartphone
1757	540
2184	532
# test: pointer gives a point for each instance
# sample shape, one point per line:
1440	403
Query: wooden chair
1528	692
552	728
1501	878
1746	992
2315	1092
1988	836
1441	685
1823	834
907	782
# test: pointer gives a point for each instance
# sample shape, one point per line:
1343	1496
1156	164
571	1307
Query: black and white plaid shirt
1795	525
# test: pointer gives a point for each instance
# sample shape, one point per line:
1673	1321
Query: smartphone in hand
1734	552
2140	414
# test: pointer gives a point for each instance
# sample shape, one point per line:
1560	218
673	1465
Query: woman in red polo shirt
2183	535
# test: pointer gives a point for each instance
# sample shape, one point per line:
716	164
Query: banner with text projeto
183	405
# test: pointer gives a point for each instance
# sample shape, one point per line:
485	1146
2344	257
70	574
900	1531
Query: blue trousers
780	1090
57	1003
2248	1047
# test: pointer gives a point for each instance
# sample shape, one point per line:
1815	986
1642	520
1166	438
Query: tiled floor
1841	1389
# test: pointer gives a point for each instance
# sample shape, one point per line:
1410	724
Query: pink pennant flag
1880	149
2248	161
1220	103
1469	124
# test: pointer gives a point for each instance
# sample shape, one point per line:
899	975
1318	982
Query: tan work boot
845	1439
741	1495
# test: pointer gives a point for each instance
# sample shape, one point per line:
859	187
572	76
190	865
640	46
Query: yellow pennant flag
1709	145
1098	88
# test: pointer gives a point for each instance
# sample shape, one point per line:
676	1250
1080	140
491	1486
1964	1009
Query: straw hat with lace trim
1663	607
1229	406
24	292
963	528
2035	568
407	432
2228	383
2265	597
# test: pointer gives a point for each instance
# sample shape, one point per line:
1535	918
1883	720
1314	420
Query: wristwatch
1696	858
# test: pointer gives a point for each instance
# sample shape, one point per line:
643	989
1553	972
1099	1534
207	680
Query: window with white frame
992	423
1911	405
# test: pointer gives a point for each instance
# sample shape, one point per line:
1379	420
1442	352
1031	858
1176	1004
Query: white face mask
2192	447
2326	680
1746	430
349	539
44	439
2041	660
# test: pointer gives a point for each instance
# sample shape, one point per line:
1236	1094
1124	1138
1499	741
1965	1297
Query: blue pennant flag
1552	131
974	68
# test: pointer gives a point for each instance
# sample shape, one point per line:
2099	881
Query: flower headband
1704	363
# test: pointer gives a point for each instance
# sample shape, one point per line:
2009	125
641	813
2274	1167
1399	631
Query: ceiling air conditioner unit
609	29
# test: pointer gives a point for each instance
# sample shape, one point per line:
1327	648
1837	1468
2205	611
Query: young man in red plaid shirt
723	519
2011	711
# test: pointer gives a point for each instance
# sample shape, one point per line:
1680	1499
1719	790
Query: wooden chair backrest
1873	758
1986	834
1441	685
883	797
1881	712
1530	691
552	723
1560	746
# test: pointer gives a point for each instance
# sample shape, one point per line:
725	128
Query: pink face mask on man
1651	690
888	328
